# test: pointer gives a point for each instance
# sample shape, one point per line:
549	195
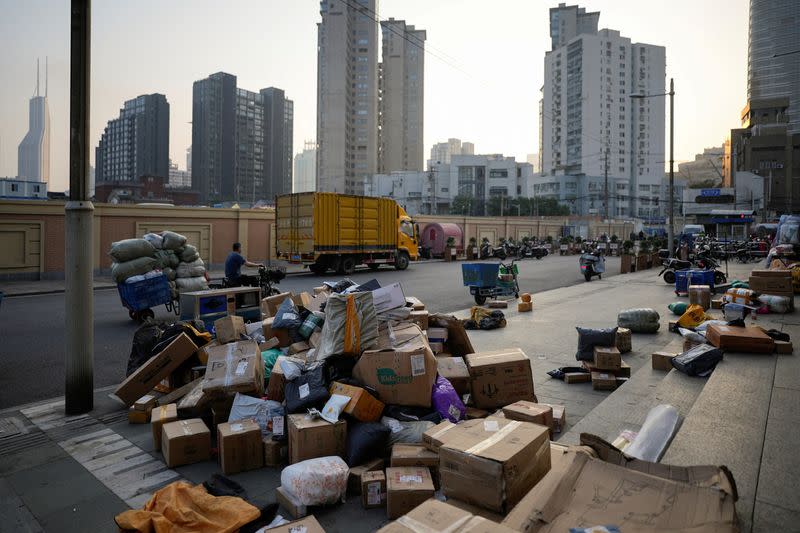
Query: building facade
20	189
773	66
136	143
33	153
347	95
442	152
567	22
590	125
305	168
707	169
178	179
241	141
402	75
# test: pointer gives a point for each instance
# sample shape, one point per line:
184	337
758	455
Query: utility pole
605	175
671	204
79	212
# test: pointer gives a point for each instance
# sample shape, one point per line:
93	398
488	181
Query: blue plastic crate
144	294
684	278
480	274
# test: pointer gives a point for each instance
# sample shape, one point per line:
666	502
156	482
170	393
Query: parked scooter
672	264
706	262
592	263
487	250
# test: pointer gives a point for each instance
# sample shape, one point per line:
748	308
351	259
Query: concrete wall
32	232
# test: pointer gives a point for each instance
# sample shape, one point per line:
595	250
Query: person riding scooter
592	263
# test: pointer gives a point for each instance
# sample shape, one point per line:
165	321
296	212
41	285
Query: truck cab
407	235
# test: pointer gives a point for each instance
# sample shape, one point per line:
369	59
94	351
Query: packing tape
494	439
229	364
419	527
352	328
162	413
442	431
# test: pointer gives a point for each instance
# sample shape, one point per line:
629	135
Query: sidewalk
77	473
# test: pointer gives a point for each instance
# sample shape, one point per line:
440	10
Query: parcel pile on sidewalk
359	392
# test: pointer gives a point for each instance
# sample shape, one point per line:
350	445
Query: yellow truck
329	231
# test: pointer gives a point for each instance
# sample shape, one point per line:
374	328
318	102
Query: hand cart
490	280
139	297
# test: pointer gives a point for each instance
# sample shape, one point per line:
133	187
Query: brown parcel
160	416
240	446
354	477
145	403
536	413
362	406
403	374
235	367
607	358
783	347
279	333
420	318
737	339
559	416
308	524
700	295
406	487
662	361
289	501
185	442
458	343
433	515
771	281
416	455
568	497
454	370
500	378
434	437
229	329
194	403
577	377
155	369
373	489
270	304
138	417
493	464
604	381
311	438
276	452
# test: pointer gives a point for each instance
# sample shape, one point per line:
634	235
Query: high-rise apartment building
443	152
33	154
347	95
567	22
775	31
241	141
136	143
590	125
305	168
402	74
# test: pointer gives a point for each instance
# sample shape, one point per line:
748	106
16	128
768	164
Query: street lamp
671	204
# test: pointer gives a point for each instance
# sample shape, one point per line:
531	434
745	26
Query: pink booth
435	236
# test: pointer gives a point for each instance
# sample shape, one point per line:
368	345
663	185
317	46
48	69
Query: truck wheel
401	262
318	268
348	265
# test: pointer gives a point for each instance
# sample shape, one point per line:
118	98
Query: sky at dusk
483	71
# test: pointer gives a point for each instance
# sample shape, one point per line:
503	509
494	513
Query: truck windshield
407	227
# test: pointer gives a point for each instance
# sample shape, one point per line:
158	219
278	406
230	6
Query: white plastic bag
320	481
333	408
192	284
776	304
264	412
693	336
656	433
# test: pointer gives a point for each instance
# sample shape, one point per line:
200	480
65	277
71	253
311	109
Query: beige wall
32	232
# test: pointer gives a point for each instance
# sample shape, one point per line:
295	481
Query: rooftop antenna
37	77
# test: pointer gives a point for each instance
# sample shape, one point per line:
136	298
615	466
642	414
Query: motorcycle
592	263
672	264
487	251
532	250
265	280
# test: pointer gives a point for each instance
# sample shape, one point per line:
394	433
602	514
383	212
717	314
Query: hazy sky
486	91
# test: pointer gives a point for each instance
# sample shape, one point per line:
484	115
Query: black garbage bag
309	389
407	413
340	368
700	360
558	373
589	338
365	441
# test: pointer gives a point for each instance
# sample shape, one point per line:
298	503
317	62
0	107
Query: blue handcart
139	297
490	280
684	278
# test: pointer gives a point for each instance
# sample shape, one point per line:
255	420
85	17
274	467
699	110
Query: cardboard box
454	370
624	370
270	304
474	412
240	446
413	455
235	367
497	304
783	347
458	343
276	452
524	307
403	374
298	347
180	392
145	403
229	329
607	358
316	338
433	515
414	303
145	378
320	289
700	295
577	377
136	416
279	333
185	442
269	344
535	413
388	297
660	504
315	438
354	477
771	281
373	489
194	402
437	334
500	378
477	459
277	381
662	360
406	487
160	416
623	340
604	381
307	524
420	318
559	417
293	506
716	303
735	339
362	406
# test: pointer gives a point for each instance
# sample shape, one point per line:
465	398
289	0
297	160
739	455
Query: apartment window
14	187
498	173
622	169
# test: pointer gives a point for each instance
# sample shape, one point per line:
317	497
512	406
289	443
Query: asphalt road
32	327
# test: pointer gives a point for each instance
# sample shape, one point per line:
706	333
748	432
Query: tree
462	205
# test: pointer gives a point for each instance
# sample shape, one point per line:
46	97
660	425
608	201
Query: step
627	407
727	424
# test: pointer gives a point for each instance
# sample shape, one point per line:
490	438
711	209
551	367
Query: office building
33	153
706	170
591	127
178	179
442	152
241	141
305	168
136	143
775	31
347	95
402	74
189	160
